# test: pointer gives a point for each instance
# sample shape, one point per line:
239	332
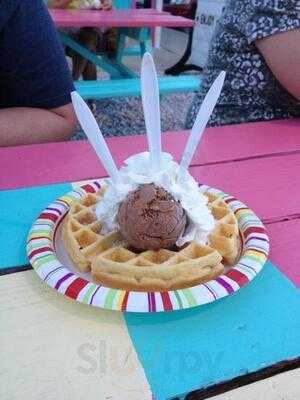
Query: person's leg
79	64
23	125
90	72
89	38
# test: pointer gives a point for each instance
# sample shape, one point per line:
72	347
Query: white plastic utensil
202	119
94	134
150	100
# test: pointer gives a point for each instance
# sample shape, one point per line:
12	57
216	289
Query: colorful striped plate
51	262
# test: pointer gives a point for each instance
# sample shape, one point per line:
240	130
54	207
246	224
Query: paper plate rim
42	256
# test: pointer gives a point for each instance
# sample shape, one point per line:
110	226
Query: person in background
257	43
91	38
35	84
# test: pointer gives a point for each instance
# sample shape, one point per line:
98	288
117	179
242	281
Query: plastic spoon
202	119
150	100
92	131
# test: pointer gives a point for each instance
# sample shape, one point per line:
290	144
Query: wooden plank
264	185
116	18
54	348
39	164
221	341
285	386
132	87
270	186
87	347
18	204
284	240
19	208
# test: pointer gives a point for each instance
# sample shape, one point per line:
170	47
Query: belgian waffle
114	265
225	237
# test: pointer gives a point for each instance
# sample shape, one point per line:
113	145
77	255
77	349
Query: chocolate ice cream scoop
151	219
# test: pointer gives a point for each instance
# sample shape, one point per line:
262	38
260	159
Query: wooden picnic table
118	18
133	23
52	347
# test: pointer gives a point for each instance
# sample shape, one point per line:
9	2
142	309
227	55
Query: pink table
250	161
257	163
117	18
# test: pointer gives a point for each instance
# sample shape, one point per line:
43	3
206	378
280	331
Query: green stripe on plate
86	297
111	294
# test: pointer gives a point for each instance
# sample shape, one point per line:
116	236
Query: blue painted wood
96	59
132	51
131	87
137	34
121	40
118	71
121	4
142	35
146	46
192	349
113	67
19	208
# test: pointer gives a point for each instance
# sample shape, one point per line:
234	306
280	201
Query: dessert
151	219
150	227
115	264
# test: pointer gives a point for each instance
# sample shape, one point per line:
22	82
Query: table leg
141	35
181	65
115	69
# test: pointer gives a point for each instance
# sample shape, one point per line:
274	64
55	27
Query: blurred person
35	84
257	42
91	38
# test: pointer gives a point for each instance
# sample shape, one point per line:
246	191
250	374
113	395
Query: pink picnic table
118	18
257	163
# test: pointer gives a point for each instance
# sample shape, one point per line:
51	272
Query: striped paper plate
51	262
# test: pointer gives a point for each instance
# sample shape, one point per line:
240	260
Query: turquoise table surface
18	209
187	350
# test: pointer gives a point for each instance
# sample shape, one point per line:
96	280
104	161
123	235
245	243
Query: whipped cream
137	171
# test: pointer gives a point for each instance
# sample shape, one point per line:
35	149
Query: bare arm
282	54
33	125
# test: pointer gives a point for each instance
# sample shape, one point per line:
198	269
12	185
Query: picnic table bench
52	347
134	23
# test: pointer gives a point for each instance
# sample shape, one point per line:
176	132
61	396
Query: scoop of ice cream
179	184
150	218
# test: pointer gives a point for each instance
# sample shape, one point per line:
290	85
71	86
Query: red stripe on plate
230	200
38	238
75	287
237	276
89	188
254	229
38	251
53	217
166	301
124	302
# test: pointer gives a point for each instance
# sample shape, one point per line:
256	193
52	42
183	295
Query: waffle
225	238
113	265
